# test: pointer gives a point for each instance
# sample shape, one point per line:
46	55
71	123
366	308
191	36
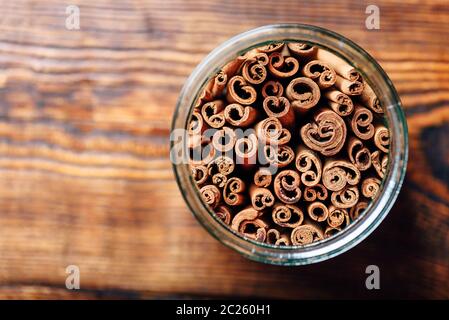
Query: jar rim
398	155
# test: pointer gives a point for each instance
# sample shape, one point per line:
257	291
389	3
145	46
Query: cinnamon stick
370	187
317	192
338	173
240	116
279	108
303	94
342	68
211	195
262	178
212	113
233	192
382	138
238	91
247	222
287	216
272	88
338	217
359	155
370	99
339	102
286	186
345	198
261	198
309	164
318	211
361	123
281	67
321	72
306	234
302	50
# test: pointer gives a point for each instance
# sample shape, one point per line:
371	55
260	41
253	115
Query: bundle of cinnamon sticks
288	144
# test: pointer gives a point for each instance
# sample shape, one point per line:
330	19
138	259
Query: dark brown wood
84	172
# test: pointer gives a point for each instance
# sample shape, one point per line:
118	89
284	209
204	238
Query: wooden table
84	139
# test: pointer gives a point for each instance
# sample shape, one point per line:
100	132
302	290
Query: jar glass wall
376	78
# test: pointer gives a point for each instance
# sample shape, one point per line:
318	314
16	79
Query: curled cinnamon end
382	138
261	198
211	195
338	217
262	178
329	232
246	150
196	125
338	173
321	72
361	123
224	139
302	50
339	102
269	130
272	47
219	180
233	190
199	174
306	234
223	213
359	155
287	216
286	186
317	211
352	88
240	116
309	164
279	155
274	237
370	99
282	67
248	223
221	164
345	198
370	187
279	108
217	84
231	68
340	66
253	71
238	91
285	137
380	165
357	210
303	93
317	192
212	113
272	88
326	135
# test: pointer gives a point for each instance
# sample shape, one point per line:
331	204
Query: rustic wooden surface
84	171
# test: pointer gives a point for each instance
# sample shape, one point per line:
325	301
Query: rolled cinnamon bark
279	108
302	50
233	192
261	198
219	180
272	88
286	186
272	47
370	99
224	140
240	116
338	173
345	198
254	71
221	164
199	174
317	192
279	155
309	164
196	124
339	102
357	210
358	154
370	187
238	91
361	123
327	134
263	178
287	216
303	94
340	66
318	211
282	67
212	113
329	232
351	88
213	88
306	234
285	137
321	72
246	151
224	214
269	130
247	222
380	165
338	217
211	195
274	237
382	138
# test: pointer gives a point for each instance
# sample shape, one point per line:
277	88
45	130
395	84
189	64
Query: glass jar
398	154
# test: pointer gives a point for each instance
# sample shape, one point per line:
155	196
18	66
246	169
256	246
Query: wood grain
84	172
